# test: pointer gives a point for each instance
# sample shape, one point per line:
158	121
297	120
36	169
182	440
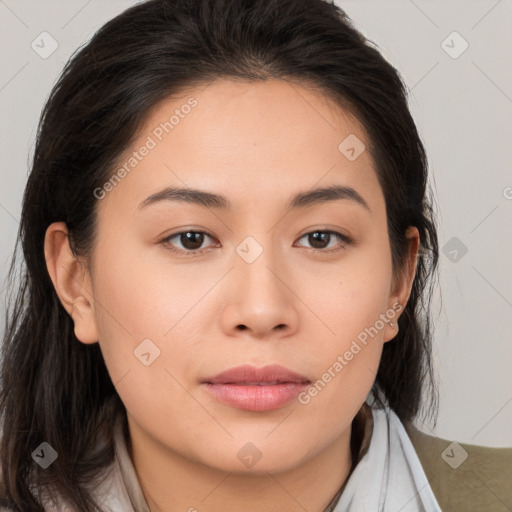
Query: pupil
189	239
318	235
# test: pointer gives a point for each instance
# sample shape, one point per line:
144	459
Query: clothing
480	483
465	477
388	475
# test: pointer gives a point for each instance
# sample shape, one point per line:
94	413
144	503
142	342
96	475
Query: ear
71	281
403	286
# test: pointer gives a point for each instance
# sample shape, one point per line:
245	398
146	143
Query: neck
171	482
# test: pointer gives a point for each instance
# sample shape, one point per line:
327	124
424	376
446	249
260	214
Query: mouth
251	376
256	389
271	383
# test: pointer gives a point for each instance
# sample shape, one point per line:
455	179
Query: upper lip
249	374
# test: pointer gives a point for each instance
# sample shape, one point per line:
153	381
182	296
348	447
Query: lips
251	376
256	389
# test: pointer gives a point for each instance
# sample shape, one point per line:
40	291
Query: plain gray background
461	99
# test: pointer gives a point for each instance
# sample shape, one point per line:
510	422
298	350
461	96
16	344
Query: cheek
139	297
141	310
347	353
138	322
350	296
346	362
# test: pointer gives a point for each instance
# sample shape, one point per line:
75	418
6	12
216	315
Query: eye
320	238
190	241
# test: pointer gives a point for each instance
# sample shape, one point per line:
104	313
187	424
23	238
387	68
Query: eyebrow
210	200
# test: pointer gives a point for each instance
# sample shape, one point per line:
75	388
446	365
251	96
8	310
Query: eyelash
168	245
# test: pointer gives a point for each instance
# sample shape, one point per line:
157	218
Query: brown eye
321	239
191	241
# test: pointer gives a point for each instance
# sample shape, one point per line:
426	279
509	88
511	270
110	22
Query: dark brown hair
57	389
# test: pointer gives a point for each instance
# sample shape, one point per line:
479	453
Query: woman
230	250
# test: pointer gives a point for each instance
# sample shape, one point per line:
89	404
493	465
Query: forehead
248	140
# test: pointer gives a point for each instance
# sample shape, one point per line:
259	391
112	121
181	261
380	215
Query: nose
261	300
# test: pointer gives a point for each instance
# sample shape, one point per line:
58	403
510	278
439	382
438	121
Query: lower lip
256	398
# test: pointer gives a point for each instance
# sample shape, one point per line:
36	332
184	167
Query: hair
57	389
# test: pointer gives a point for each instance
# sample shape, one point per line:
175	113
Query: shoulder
464	476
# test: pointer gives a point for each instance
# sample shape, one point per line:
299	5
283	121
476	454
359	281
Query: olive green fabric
465	477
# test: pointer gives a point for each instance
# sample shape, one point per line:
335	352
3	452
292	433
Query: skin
258	144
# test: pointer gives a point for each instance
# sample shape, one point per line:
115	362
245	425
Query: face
182	290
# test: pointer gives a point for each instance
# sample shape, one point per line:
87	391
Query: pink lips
256	389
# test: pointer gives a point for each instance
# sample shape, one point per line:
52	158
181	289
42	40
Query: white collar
389	476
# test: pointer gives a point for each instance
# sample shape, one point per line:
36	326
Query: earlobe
71	282
393	313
